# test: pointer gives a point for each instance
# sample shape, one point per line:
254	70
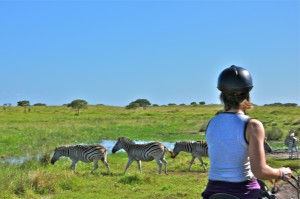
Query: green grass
44	128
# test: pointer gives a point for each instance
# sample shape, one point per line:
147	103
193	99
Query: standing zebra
198	149
142	152
91	153
292	142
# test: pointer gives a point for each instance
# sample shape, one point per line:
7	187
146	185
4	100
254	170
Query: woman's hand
285	173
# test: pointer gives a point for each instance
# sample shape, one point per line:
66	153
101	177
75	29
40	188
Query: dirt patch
278	154
286	191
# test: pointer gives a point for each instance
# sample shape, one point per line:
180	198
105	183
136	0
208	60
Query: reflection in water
109	144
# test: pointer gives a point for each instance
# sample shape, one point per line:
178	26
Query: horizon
154	104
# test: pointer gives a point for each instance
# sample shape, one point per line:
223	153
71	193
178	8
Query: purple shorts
245	190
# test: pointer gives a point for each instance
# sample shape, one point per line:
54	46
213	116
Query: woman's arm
255	135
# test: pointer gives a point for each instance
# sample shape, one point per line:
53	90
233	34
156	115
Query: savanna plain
27	142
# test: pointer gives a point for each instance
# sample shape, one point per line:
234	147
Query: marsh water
108	144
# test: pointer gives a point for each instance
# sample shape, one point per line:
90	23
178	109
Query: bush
39	104
274	133
296	122
203	126
132	105
138	103
193	104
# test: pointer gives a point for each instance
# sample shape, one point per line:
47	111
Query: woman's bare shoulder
255	123
255	128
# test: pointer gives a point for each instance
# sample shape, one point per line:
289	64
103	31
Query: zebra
292	142
84	153
198	149
142	152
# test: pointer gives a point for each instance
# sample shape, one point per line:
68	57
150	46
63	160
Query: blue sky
114	52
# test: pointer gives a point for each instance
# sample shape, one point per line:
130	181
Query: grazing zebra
142	152
292	142
198	149
91	153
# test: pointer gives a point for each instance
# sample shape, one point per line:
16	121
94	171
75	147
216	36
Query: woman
236	142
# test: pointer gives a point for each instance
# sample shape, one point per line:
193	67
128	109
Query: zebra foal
142	152
197	149
292	143
87	154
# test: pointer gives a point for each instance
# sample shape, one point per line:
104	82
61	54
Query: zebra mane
201	141
126	140
185	142
63	147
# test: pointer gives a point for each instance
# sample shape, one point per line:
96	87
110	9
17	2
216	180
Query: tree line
79	104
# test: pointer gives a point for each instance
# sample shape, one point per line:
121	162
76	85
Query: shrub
203	127
296	122
138	103
193	104
132	105
274	133
39	104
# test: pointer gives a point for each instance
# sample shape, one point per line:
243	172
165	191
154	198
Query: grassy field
31	137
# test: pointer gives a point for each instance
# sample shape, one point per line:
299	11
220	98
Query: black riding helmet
235	78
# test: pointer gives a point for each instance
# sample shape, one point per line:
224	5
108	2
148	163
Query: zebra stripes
142	152
91	153
198	149
292	143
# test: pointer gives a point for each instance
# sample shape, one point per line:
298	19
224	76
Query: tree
39	104
77	105
193	104
138	103
25	104
132	105
202	103
143	102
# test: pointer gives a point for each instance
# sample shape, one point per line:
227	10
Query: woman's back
227	148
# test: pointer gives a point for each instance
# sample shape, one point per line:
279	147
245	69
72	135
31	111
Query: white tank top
228	148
